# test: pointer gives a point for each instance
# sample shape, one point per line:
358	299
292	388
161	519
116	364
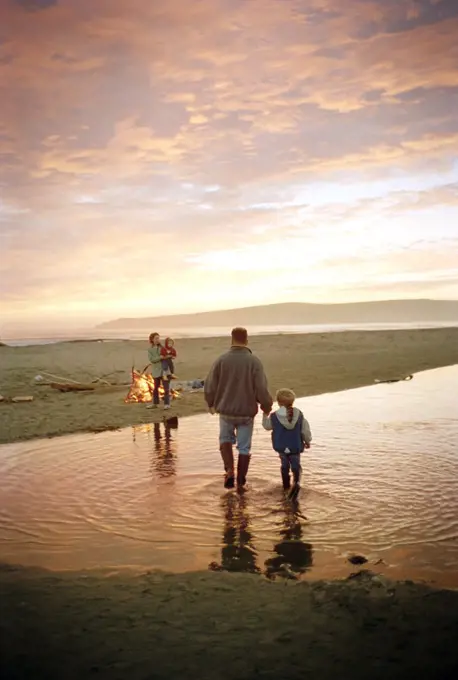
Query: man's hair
239	335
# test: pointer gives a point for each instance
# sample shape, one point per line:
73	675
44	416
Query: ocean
215	331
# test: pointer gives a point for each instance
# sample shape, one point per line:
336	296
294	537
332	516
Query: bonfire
141	389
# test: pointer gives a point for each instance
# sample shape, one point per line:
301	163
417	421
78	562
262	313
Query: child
168	354
290	436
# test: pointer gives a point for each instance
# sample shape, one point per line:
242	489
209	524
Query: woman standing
155	361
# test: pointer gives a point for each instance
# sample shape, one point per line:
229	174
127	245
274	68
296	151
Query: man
234	387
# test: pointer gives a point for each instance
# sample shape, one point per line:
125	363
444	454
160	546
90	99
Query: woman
155	361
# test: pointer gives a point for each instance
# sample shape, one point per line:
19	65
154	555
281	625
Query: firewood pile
141	389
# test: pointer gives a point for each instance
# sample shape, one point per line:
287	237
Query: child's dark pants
290	461
167	366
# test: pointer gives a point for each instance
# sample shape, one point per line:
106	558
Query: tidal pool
381	479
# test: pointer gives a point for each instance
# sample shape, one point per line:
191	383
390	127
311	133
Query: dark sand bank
220	625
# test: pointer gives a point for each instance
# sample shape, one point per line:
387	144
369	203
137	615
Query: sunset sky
186	155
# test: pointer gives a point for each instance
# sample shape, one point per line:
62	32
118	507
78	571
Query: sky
168	156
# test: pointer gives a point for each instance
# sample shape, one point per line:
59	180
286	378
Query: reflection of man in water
164	448
291	550
238	552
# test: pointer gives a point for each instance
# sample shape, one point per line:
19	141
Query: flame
141	389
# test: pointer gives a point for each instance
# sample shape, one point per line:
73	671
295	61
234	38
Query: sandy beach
204	625
309	364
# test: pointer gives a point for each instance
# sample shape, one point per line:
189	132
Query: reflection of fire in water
141	389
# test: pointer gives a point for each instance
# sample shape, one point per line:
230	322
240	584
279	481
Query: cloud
252	86
35	5
117	117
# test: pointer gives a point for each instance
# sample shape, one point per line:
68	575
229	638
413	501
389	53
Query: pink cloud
111	109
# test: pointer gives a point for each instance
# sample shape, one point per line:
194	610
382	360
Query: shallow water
380	479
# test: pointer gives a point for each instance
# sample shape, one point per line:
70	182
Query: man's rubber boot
242	469
227	455
285	478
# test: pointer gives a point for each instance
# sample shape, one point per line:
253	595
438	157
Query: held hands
211	411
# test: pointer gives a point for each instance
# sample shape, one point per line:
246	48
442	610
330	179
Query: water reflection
164	459
238	552
291	550
380	481
163	446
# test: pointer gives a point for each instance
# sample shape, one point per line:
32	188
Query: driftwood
59	377
105	389
15	400
65	384
103	378
86	387
394	380
74	387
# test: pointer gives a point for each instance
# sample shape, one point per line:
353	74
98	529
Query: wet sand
205	625
309	364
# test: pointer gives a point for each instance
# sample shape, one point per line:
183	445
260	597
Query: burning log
141	389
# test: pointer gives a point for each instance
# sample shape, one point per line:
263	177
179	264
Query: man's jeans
237	431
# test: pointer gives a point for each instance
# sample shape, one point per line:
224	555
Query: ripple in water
381	479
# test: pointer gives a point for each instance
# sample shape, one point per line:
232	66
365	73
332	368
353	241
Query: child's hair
286	397
169	341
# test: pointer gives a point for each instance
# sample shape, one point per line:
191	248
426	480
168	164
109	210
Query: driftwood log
394	380
86	387
73	387
15	400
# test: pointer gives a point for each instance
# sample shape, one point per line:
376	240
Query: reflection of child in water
291	550
168	355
